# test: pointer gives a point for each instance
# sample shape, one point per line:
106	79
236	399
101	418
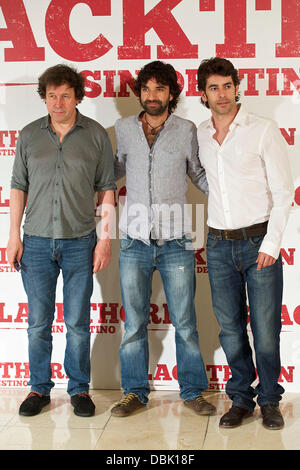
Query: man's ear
203	96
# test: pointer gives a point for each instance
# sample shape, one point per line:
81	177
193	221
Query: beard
155	110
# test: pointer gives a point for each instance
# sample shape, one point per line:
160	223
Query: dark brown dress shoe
272	417
234	417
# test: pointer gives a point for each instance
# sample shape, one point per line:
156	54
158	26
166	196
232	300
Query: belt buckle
227	236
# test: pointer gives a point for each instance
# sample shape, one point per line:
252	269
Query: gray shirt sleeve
120	159
104	178
19	178
194	168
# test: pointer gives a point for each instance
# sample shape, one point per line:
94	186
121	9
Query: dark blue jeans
42	261
233	275
176	265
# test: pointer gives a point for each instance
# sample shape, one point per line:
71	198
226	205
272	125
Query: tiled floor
165	425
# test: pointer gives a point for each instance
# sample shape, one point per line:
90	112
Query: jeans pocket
212	240
89	235
256	241
126	243
184	242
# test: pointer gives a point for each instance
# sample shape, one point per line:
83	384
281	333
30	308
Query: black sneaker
33	404
83	405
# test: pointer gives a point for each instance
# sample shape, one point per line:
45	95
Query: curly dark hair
59	75
216	66
163	73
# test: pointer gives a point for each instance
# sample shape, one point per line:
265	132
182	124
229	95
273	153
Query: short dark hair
216	66
62	74
163	73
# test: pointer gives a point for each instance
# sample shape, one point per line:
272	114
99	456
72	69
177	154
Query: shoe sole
273	428
116	415
28	413
84	415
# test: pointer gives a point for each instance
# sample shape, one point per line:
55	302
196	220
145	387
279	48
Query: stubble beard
155	111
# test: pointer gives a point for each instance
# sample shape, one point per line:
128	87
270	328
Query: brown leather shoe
127	406
272	417
201	406
234	417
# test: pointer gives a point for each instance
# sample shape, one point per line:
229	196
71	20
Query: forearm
199	180
106	210
17	206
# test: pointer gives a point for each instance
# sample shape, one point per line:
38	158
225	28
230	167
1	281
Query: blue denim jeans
233	274
176	265
42	261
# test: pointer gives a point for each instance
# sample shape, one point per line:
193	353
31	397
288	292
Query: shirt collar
241	117
80	121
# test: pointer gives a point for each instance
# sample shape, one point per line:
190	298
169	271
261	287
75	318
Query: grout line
104	428
205	434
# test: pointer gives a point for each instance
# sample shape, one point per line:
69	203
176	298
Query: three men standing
61	161
250	194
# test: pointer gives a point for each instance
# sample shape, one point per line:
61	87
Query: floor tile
36	438
166	424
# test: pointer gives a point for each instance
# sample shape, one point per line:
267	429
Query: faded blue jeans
176	265
232	268
42	261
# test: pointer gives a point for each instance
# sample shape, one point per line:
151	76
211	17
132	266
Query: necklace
153	129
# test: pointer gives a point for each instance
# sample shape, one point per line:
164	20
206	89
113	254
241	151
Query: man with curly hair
156	150
61	160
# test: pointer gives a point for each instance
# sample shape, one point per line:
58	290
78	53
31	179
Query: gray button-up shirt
61	178
156	177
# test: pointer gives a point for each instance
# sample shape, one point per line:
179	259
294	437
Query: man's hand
14	250
102	255
264	260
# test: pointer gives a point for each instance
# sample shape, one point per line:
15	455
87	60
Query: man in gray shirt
157	150
61	160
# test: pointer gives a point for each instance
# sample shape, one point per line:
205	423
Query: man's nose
152	95
59	102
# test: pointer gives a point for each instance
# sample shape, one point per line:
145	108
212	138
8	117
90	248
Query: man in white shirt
250	194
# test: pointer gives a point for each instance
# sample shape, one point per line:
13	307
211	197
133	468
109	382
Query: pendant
153	132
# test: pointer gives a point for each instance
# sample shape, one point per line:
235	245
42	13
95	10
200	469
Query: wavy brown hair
163	73
59	75
216	66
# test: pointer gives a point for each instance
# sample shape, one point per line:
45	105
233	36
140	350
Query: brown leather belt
241	233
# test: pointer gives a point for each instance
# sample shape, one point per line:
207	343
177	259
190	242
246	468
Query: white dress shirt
249	177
